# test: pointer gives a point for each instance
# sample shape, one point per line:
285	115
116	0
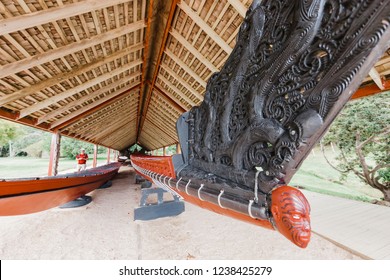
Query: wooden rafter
53	14
57	53
81	87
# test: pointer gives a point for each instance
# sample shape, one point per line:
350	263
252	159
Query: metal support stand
78	202
139	179
160	209
105	185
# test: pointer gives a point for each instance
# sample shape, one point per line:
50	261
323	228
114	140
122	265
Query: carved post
164	151
95	152
178	150
54	154
108	155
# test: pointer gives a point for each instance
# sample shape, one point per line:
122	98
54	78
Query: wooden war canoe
31	195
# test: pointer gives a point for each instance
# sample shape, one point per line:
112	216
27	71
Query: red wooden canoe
30	195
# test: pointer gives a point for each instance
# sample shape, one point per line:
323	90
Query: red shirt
82	158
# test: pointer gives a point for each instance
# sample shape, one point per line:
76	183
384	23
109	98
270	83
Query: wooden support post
164	151
54	154
108	155
178	149
95	152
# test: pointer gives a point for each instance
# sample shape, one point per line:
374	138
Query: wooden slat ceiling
116	72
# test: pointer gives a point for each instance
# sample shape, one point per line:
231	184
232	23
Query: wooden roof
116	72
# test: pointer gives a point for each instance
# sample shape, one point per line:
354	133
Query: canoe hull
35	195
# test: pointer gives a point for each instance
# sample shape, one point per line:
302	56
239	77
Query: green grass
22	167
316	175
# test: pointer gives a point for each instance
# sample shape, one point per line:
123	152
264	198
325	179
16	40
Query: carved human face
291	210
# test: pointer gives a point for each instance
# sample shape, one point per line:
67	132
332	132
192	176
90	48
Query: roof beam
178	106
53	54
376	78
240	8
164	132
147	92
191	72
64	11
193	51
112	129
83	99
105	118
206	28
40	105
62	77
89	109
182	81
370	90
178	92
14	117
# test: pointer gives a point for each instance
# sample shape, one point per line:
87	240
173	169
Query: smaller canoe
31	195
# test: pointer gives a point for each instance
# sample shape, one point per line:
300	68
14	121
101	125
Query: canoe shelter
251	86
115	73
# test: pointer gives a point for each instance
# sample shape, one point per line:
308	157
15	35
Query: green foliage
8	132
363	129
71	147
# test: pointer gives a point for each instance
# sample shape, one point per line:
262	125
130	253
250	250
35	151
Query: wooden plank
62	77
53	14
376	78
240	8
185	67
178	106
79	88
83	99
182	81
103	114
177	91
104	132
107	118
94	106
193	50
60	52
54	158
206	28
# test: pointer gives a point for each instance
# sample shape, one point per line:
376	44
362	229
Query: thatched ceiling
116	72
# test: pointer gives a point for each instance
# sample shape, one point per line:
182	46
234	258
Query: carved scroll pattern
292	62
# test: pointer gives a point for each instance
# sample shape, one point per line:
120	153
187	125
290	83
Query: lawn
19	167
317	175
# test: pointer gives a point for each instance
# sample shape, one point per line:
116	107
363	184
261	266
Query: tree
361	132
8	132
71	147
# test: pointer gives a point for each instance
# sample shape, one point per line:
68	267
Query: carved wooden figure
295	65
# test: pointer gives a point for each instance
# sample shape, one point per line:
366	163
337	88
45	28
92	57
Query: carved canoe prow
295	65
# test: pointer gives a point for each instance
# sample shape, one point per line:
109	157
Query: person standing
81	158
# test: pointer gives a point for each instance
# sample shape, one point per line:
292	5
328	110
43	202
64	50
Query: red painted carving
291	214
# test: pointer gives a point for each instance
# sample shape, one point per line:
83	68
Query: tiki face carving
290	210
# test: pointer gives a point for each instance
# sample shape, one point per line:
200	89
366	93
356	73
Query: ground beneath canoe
105	229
